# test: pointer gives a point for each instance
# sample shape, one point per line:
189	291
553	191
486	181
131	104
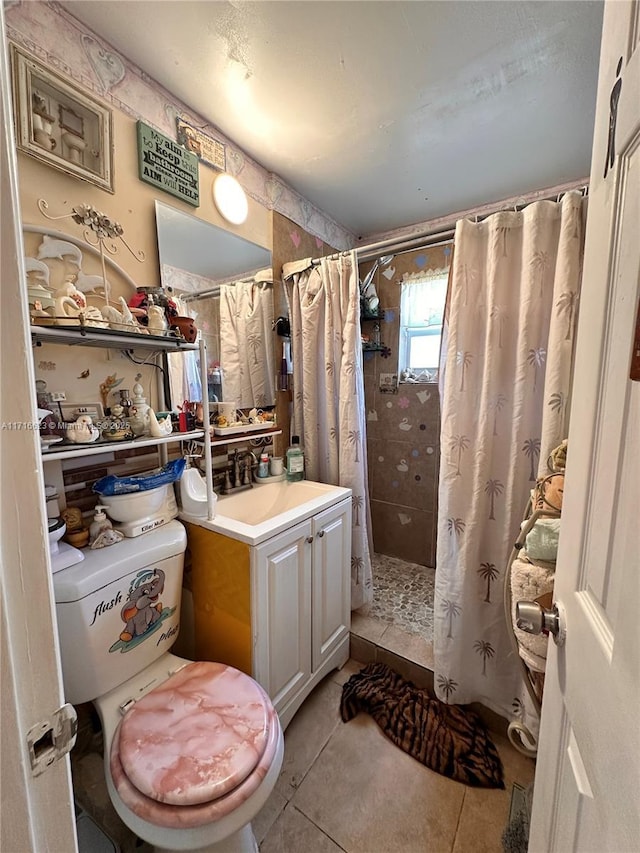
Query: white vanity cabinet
279	610
302	614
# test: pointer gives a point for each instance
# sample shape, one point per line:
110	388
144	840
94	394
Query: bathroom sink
263	502
265	510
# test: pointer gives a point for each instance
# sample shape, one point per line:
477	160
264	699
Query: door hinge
51	739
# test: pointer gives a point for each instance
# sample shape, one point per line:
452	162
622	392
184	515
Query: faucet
241	466
250	461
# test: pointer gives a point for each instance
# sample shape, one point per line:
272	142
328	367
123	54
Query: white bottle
263	466
99	524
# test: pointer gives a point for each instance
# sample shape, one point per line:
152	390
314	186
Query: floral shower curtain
505	383
246	352
328	406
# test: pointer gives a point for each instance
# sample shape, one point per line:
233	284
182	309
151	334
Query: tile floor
345	787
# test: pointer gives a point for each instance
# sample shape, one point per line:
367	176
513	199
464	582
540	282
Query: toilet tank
118	610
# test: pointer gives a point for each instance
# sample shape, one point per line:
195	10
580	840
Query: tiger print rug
449	739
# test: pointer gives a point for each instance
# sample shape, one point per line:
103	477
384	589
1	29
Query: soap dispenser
99	524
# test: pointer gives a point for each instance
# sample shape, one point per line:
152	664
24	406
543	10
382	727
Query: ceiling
382	114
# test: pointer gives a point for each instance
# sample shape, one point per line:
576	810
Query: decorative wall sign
59	124
164	164
209	150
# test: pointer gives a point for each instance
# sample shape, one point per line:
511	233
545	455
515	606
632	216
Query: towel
530	579
449	739
541	542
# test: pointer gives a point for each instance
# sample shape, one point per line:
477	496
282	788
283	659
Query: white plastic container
136	505
193	493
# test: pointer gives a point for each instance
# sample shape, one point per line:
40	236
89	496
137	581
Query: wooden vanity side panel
221	581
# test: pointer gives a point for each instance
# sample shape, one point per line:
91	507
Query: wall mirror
225	282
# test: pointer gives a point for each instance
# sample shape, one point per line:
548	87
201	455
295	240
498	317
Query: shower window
422	301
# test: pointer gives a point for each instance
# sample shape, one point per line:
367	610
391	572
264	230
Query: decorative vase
186	327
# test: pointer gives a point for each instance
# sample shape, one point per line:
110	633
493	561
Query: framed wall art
58	123
208	150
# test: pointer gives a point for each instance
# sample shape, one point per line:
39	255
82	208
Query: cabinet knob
309	539
321	534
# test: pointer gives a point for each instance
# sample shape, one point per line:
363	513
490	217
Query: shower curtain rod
214	291
432	238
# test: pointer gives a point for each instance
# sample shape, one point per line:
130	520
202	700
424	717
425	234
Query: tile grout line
459	821
319	828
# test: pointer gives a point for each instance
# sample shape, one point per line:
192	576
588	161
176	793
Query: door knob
535	619
309	539
320	534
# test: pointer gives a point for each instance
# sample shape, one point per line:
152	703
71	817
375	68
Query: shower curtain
328	403
505	383
246	351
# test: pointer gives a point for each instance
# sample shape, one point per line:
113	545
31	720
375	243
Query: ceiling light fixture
230	199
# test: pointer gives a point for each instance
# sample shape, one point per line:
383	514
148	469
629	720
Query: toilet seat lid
196	736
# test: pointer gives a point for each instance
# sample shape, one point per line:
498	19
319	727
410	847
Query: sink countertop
257	514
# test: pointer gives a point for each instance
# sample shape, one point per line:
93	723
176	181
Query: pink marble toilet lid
195	737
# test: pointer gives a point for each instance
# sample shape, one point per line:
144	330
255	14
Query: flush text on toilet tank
105	606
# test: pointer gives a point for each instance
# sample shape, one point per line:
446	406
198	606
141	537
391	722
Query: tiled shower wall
403	429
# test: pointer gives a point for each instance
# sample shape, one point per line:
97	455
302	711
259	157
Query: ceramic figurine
139	411
122	321
159	428
93	317
106	538
39	317
107	387
82	431
157	319
69	303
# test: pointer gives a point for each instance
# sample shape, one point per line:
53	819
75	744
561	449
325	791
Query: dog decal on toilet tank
143	612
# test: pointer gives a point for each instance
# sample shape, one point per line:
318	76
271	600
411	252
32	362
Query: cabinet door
331	570
282	613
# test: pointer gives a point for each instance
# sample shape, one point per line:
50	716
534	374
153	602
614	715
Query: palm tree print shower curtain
506	360
328	402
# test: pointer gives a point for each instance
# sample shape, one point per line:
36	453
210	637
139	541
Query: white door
37	810
587	786
331	570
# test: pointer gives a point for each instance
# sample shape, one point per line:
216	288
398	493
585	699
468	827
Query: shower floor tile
403	596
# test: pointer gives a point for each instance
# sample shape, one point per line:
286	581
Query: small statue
106	538
82	431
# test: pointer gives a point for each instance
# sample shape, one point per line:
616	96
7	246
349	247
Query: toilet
192	750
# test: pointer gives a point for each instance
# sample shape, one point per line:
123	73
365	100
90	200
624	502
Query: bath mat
449	739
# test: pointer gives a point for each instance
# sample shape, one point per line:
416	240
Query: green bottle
295	460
